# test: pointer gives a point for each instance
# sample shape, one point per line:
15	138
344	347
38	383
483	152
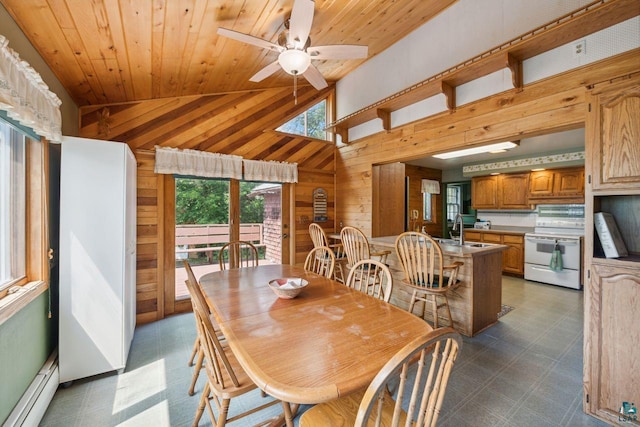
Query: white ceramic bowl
287	287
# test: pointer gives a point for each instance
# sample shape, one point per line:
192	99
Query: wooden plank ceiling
113	51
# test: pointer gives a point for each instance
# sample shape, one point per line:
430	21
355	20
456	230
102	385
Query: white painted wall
461	32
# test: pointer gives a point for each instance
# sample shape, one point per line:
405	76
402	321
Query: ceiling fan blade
265	72
338	51
246	38
314	77
300	22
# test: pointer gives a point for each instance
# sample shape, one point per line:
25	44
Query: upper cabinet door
613	129
541	183
513	191
484	192
569	182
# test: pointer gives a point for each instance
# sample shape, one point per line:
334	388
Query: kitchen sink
476	245
455	242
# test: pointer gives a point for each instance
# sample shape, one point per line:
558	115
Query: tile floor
524	371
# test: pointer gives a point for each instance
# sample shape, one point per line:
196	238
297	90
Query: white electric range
560	226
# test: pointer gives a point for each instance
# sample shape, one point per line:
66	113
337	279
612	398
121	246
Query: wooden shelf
594	17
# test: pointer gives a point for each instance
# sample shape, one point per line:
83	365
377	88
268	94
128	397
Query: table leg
286	419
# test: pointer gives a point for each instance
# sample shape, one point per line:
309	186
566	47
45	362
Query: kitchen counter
476	302
503	229
389	242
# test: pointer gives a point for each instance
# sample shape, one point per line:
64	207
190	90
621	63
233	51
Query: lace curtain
272	171
197	163
25	97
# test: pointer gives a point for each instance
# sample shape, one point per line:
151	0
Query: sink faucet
458	221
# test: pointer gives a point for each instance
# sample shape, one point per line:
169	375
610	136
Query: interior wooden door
388	213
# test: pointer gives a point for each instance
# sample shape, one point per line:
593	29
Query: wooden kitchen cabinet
612	286
611	350
513	257
484	192
614	135
513	191
473	236
564	185
506	191
541	184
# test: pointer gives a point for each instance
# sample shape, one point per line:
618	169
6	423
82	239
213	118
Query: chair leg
435	312
446	302
201	405
224	411
196	372
196	347
413	301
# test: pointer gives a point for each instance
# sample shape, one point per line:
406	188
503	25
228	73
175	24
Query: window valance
216	165
25	97
430	186
270	171
197	163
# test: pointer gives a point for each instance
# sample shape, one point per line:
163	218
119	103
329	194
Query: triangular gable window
310	123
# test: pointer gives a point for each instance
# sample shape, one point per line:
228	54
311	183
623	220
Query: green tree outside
206	201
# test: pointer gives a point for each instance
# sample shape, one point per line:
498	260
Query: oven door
539	248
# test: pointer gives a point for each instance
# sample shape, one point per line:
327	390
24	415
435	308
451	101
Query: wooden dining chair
225	377
238	254
357	248
197	346
418	375
425	272
371	277
319	239
321	260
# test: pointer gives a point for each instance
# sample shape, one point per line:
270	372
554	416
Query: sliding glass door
212	212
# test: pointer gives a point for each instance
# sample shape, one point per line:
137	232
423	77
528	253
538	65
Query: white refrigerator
97	257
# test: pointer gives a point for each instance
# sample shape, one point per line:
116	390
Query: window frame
21	291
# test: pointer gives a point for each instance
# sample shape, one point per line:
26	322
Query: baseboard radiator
35	401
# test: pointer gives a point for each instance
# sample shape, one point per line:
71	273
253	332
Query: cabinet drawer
473	236
492	238
508	238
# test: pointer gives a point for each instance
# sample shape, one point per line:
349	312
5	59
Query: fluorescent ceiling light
476	150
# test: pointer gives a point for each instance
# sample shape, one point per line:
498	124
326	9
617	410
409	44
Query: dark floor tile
523	417
495	403
580	419
474	415
552	411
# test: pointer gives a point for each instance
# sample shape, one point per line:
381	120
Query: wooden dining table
327	342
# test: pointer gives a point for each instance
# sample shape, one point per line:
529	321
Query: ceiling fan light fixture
294	61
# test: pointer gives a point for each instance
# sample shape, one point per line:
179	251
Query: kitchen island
476	302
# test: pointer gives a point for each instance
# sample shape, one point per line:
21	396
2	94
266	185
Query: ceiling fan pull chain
295	89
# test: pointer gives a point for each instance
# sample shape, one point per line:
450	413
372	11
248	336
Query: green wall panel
25	344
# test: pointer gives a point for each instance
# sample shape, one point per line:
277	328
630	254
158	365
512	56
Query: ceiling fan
294	47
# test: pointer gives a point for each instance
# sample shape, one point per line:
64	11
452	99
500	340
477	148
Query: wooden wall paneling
552	104
147	243
308	181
